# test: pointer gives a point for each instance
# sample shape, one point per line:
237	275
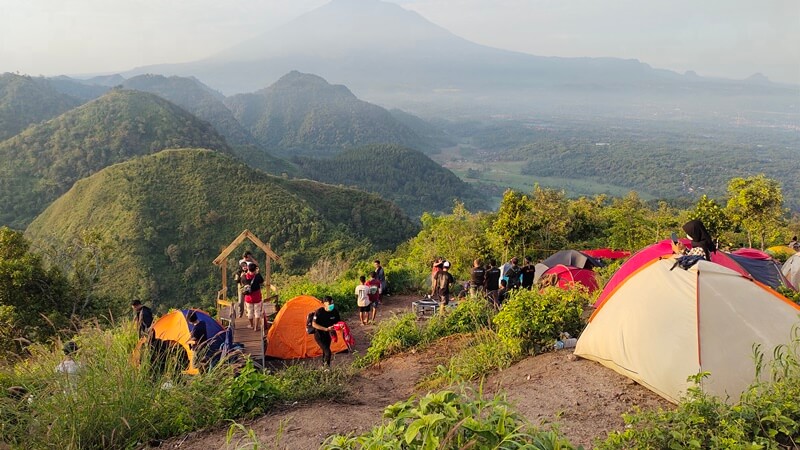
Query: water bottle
559	345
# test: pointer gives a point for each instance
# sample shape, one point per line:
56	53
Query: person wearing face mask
324	319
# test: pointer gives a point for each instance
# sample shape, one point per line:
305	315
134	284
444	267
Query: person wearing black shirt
199	333
477	278
143	317
492	277
528	272
324	319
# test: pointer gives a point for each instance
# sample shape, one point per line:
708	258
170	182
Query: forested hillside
207	104
43	162
163	218
25	100
301	114
407	177
197	98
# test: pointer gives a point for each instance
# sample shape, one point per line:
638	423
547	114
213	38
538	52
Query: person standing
528	273
437	266
442	284
324	319
381	276
492	277
252	296
477	278
241	281
513	274
143	317
362	300
374	294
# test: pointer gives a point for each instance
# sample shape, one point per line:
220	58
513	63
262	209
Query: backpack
309	322
513	274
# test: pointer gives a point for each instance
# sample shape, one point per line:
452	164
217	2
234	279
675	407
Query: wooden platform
250	338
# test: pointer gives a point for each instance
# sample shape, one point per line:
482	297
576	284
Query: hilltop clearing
583	397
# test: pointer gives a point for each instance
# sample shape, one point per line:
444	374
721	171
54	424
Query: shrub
342	292
485	352
449	420
471	314
531	321
392	336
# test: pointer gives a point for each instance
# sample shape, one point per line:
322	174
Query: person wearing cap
324	319
437	266
143	317
442	282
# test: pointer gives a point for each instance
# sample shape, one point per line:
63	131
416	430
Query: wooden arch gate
266	270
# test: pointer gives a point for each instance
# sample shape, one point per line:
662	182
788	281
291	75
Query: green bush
449	420
531	321
392	336
484	352
471	314
342	292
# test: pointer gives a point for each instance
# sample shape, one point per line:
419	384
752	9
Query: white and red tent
662	324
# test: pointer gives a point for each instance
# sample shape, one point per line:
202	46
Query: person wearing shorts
363	301
252	301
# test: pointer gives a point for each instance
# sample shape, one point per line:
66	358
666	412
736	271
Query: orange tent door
287	337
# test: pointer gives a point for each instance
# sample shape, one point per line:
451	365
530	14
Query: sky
720	38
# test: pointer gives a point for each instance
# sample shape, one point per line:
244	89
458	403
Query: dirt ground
583	397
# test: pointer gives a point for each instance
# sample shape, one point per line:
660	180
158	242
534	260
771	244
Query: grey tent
569	258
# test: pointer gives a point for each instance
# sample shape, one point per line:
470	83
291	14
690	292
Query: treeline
544	221
405	176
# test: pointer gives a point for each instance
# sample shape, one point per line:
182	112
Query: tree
628	219
713	216
34	301
756	204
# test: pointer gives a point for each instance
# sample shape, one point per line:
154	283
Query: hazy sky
729	38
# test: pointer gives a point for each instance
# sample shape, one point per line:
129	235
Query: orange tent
287	337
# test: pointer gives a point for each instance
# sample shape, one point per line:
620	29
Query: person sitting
702	244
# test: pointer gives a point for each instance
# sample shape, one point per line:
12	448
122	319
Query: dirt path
585	398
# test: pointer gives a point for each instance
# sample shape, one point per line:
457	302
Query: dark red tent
607	253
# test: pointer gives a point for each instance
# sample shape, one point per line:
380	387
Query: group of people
490	280
249	282
368	293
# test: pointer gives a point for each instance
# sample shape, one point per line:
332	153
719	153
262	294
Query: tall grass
113	403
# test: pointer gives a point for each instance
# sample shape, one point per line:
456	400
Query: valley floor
583	397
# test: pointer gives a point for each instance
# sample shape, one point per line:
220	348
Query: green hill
197	98
43	162
405	176
165	217
25	100
207	104
301	114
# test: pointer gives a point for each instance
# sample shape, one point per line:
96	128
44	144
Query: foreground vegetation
114	403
